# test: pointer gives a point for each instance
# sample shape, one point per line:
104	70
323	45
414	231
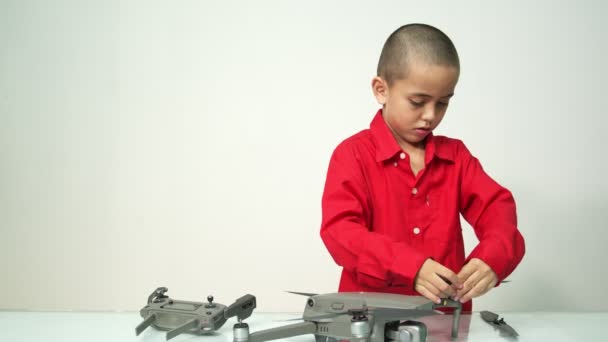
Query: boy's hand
435	281
477	278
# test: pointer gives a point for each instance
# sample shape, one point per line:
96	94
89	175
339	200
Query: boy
394	192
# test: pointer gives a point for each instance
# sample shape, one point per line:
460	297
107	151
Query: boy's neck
411	149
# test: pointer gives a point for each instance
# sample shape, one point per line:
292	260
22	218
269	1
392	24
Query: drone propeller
303	293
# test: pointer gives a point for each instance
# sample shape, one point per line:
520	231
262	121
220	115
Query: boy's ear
380	89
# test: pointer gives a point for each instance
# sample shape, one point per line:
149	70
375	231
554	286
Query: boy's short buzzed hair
415	42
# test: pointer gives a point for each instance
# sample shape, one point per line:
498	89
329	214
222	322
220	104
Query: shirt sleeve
490	210
376	260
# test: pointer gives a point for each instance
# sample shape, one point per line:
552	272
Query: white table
120	326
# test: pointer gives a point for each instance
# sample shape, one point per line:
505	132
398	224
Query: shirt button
416	230
395	164
414	191
402	155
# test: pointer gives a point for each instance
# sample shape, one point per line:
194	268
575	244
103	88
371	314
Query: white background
185	143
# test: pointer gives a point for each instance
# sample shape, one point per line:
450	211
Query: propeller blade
303	293
499	323
507	330
488	316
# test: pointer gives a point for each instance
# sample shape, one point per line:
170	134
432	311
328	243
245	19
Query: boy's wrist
405	268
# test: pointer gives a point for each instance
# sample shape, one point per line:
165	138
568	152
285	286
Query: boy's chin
414	142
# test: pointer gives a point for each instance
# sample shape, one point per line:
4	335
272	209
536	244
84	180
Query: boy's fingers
444	285
466	272
484	285
449	278
490	282
428	294
468	285
434	289
478	290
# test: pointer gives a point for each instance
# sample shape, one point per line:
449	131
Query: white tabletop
120	326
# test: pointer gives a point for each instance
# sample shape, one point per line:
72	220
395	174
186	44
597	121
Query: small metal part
210	302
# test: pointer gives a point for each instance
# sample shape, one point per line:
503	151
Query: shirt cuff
496	263
404	269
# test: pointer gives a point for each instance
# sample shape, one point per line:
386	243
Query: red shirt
380	222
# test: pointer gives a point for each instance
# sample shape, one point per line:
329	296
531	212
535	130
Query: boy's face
415	105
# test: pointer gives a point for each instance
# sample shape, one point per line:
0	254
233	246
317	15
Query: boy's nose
428	115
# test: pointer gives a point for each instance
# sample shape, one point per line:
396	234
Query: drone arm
450	303
284	332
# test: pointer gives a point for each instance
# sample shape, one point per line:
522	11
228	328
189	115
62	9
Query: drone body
359	317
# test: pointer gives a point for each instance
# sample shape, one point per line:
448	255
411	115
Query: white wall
185	143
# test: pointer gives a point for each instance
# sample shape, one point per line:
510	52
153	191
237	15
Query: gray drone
358	317
178	316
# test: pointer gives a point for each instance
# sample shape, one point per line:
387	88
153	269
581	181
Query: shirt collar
387	146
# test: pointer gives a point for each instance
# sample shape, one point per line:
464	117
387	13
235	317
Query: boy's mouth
422	131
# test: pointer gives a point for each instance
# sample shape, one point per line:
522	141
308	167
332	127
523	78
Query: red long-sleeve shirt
380	222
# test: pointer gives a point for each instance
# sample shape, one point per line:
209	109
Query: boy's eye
443	104
416	103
